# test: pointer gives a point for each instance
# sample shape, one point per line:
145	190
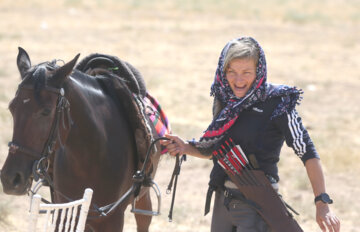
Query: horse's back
112	64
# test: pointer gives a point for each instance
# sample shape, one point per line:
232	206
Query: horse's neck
87	106
99	143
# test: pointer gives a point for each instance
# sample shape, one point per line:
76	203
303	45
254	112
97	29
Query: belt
230	185
236	194
233	193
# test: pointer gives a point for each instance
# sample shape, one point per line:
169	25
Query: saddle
126	86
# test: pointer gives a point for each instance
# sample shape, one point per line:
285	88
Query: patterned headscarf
259	91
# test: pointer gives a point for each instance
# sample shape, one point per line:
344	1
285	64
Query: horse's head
36	111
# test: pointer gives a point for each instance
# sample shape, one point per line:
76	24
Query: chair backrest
62	216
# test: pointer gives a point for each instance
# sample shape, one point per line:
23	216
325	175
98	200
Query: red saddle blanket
157	116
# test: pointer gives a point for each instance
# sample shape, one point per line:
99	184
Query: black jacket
258	133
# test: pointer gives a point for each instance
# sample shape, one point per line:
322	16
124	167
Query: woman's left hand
326	219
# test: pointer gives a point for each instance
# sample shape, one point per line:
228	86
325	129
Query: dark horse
93	144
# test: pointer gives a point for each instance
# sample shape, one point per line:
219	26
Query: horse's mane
36	76
125	85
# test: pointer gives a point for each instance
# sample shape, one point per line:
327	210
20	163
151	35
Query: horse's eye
46	112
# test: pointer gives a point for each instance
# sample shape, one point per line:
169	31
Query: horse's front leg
143	221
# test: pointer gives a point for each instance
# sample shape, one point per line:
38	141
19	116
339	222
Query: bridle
41	165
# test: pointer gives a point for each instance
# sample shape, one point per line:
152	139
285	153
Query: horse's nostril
16	180
14	183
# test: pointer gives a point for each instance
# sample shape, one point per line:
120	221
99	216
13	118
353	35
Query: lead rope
175	176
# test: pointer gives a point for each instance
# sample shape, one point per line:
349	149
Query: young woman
258	117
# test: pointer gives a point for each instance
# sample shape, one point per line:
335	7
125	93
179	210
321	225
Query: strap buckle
226	193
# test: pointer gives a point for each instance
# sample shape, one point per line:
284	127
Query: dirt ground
176	44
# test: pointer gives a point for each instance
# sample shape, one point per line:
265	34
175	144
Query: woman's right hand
175	145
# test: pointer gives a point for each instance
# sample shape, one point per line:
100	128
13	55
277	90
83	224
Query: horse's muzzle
15	183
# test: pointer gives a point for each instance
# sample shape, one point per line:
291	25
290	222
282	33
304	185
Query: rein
175	176
139	179
142	179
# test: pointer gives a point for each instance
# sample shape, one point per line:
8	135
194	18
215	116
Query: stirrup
156	189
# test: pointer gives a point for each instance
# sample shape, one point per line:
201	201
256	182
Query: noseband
41	164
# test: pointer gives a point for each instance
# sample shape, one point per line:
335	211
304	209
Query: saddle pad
157	116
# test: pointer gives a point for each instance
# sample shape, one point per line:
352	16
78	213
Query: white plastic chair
67	213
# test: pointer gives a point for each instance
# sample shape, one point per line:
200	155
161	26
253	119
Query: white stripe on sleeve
296	133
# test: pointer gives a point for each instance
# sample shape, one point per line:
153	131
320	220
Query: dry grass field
313	44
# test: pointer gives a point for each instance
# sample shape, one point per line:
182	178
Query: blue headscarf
259	91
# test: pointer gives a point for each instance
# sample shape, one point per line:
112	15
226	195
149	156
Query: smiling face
241	73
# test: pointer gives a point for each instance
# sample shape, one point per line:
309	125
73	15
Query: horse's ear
23	62
63	72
